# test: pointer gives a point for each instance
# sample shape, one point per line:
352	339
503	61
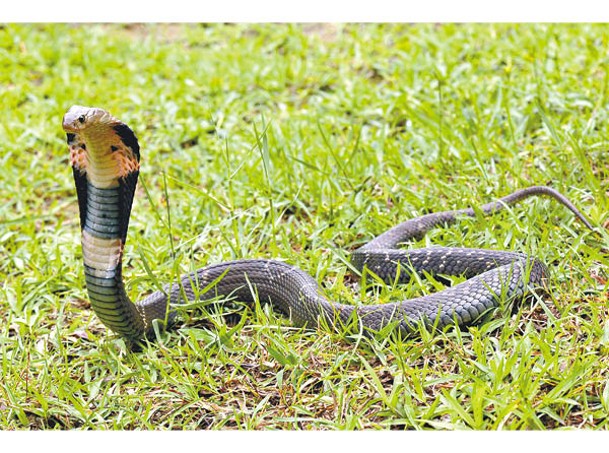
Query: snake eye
81	119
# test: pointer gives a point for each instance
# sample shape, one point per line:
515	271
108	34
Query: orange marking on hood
126	161
78	157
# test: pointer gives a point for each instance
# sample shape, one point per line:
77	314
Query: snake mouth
69	125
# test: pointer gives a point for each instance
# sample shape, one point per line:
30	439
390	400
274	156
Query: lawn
301	143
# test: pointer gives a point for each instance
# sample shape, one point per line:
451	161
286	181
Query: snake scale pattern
105	155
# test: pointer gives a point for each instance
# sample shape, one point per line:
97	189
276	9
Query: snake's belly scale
105	155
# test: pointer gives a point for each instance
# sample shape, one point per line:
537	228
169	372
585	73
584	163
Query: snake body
105	154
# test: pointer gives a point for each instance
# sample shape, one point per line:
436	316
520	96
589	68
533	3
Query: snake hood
101	146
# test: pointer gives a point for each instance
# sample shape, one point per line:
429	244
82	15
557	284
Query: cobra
105	156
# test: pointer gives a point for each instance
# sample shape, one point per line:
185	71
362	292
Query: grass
301	143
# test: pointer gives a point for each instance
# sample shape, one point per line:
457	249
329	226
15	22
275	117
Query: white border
305	441
304	11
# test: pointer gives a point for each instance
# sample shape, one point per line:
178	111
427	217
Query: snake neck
102	249
104	154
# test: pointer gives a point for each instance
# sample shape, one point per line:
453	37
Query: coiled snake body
104	153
